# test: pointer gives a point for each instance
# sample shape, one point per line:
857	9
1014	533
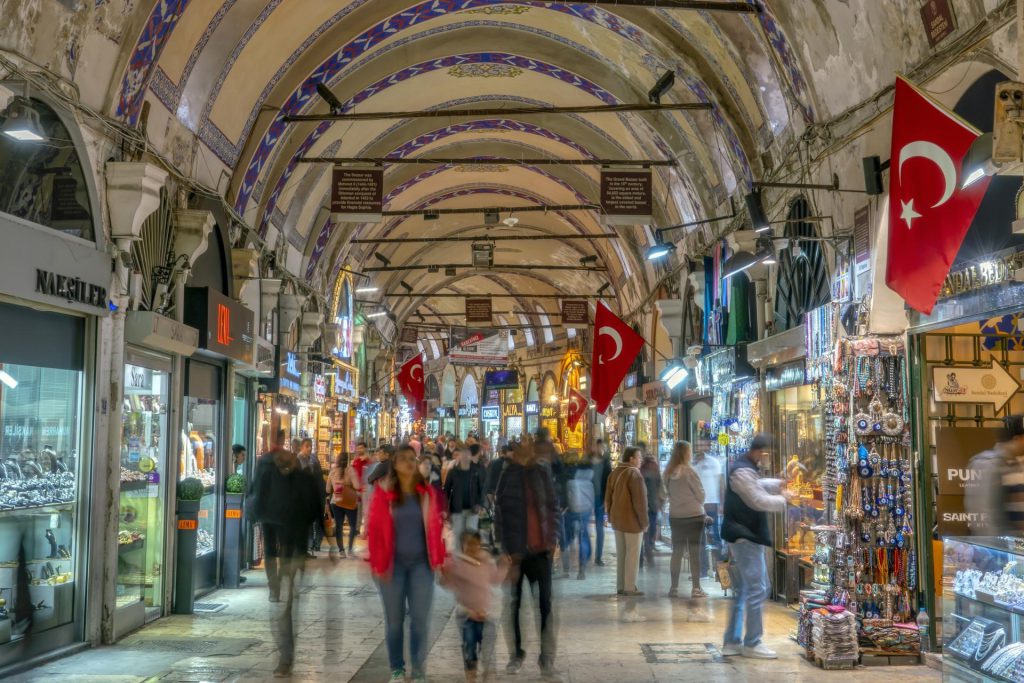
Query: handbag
349	498
329	528
724	575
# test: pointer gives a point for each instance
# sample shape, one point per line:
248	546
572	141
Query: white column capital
192	228
133	193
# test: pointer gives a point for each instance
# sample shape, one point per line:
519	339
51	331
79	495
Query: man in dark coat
527	527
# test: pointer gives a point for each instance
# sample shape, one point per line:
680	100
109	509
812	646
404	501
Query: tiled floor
340	634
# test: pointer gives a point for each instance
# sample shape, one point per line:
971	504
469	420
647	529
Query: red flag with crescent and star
410	381
616	346
577	407
929	213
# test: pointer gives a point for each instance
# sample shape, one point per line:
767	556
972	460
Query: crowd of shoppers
443	510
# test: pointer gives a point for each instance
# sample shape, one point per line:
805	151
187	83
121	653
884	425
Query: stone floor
340	633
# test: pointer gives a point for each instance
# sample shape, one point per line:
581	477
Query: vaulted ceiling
230	70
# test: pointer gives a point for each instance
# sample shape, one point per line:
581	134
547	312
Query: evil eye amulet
898	511
865	537
865	471
876	427
875	512
862	426
901	540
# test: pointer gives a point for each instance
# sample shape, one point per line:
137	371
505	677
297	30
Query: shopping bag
724	576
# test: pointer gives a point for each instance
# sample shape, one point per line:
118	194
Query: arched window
435	350
511	337
546	329
43	181
528	331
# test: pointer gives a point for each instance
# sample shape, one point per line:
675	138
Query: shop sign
467	411
575	313
319	388
490	413
937	17
782	376
232	514
654	392
357	194
1007	266
70	289
445	411
225	326
954	449
626	197
532	408
188	524
137	379
159	332
289	377
862	239
471	346
512	410
973	385
630	381
549	412
478	311
344	385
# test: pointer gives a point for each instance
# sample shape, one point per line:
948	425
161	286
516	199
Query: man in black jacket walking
464	491
527	526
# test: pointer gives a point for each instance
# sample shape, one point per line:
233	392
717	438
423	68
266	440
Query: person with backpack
580	494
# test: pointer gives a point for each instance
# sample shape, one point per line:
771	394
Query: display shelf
44	509
137	544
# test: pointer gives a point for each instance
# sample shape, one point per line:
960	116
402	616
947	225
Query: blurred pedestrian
472	575
748	500
709	467
626	502
580	496
686	517
405	548
464	491
526	528
309	462
344	507
288	500
356	469
601	462
655	501
996	498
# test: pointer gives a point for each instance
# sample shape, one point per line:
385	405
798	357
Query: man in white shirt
709	468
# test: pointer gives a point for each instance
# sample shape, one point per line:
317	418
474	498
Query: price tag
188	524
204	514
232	514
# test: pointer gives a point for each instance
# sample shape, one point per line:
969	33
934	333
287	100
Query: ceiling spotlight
330	98
663	85
511	221
450	271
367	290
431	215
482	255
603	288
382	258
491	217
588	260
740	261
977	163
22	122
755	207
674	373
7	380
660	250
376	314
434	268
406	286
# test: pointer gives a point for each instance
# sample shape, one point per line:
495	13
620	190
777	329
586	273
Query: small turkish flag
577	407
928	212
616	346
410	381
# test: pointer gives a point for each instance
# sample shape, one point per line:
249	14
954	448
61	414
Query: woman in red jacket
406	547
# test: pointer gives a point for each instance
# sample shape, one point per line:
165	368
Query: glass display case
983	606
140	538
200	453
799	460
39	469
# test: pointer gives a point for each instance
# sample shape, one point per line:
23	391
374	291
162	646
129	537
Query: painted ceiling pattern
209	64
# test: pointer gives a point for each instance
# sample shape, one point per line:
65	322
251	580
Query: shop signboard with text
473	346
225	326
992	384
357	194
954	449
626	196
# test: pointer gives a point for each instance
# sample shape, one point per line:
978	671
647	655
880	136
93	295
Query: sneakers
514	665
759	651
549	675
283	671
581	575
633	618
419	678
673	592
731	650
599	563
632	594
397	676
698	592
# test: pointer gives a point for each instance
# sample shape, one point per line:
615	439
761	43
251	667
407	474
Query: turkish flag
928	212
616	346
410	381
577	407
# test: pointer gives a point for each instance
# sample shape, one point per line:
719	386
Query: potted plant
234	492
190	492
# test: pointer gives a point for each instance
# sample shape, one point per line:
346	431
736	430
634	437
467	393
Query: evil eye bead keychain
862	424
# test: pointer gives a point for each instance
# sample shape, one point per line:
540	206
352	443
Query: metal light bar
703	5
502	295
834	187
502	209
489	238
507	161
469	266
732	214
499	111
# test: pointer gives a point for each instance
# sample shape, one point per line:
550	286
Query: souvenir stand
735	402
871	565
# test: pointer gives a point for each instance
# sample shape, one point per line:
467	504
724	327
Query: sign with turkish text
1003	267
575	313
533	408
862	239
490	413
478	311
781	376
626	197
345	385
938	20
357	194
973	385
655	392
225	326
319	388
470	346
512	410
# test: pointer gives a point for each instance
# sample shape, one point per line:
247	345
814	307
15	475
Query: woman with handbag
344	506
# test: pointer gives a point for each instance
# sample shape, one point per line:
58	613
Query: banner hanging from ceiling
475	346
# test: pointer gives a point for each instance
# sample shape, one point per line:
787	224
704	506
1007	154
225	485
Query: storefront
512	413
433	398
490	421
146	496
469	410
735	401
663	417
225	337
531	407
344	405
449	401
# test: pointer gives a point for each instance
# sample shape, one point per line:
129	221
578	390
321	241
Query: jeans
285	556
477	643
750	588
579	532
340	515
410	589
687	534
627	560
466	520
649	536
564	541
599	531
535	568
278	548
713	538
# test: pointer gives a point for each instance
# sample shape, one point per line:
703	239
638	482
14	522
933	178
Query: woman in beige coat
625	499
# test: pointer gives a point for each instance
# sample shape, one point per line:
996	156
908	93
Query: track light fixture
382	258
406	286
755	208
491	217
603	288
330	98
431	215
22	122
661	249
588	260
662	86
